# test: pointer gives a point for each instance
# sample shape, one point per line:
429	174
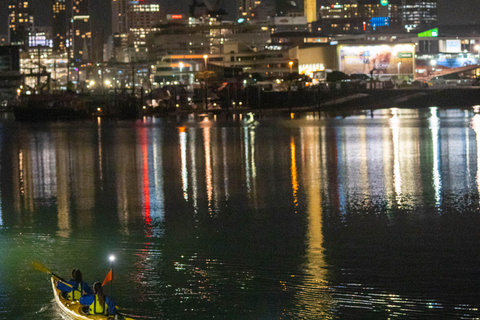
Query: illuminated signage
453	46
336	6
384	2
177	16
405	55
379	22
429	33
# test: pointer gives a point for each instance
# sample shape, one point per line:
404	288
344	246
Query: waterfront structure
59	26
20	22
81	34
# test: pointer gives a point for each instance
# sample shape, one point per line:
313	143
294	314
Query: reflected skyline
307	215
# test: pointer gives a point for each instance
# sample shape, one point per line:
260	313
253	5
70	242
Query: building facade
356	17
20	22
81	31
59	26
418	13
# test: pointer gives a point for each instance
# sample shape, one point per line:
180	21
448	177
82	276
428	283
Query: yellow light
99	109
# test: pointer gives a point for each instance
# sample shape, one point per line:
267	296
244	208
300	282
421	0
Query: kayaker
74	288
98	303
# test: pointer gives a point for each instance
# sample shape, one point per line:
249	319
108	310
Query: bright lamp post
205	57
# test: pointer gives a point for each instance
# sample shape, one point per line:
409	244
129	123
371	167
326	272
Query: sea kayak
74	308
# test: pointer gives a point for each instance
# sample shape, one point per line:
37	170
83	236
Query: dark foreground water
315	217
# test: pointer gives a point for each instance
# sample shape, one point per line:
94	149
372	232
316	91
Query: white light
111	258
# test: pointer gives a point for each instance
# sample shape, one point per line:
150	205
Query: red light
177	16
332	6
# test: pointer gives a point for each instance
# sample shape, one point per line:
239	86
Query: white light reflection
250	167
395	126
434	125
476	128
183	159
225	164
193	149
100	167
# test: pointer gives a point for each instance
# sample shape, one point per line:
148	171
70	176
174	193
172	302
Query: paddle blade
40	267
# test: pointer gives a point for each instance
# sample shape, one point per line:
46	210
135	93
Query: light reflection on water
298	217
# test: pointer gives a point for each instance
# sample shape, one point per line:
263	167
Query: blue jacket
62	286
89	299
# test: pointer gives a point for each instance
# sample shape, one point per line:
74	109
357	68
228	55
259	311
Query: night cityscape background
91	46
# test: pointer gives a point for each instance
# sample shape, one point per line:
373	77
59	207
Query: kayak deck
73	308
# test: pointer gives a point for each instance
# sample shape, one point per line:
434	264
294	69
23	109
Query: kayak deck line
74	308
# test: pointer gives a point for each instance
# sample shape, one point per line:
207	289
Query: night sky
449	12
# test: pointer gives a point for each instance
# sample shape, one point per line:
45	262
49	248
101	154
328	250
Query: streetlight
205	57
291	65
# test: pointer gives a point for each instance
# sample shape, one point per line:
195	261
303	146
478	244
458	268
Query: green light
384	2
429	33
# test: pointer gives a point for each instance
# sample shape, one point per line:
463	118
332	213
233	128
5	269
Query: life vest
97	308
76	293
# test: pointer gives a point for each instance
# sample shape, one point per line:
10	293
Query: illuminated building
358	17
418	13
142	17
120	16
20	22
59	26
81	35
40	36
246	8
310	7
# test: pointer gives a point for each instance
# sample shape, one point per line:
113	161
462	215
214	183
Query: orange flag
108	278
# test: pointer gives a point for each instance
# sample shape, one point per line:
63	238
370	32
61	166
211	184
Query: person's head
98	290
77	275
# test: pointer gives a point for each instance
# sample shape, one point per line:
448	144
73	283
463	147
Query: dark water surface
302	217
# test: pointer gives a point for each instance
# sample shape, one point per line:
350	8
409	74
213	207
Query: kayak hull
73	308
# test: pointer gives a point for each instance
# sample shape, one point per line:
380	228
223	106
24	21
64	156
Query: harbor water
372	215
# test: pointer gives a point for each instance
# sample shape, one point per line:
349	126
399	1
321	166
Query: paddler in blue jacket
98	303
74	288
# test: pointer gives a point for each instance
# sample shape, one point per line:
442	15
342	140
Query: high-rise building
310	7
59	26
81	30
246	8
418	13
20	22
120	16
142	17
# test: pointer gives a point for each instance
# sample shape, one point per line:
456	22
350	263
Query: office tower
418	13
142	17
120	16
59	26
246	8
310	7
81	30
20	22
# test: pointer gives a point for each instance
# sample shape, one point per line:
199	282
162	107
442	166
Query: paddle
40	267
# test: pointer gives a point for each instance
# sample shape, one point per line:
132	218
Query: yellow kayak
74	308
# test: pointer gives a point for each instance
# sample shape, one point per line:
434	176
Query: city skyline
448	13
